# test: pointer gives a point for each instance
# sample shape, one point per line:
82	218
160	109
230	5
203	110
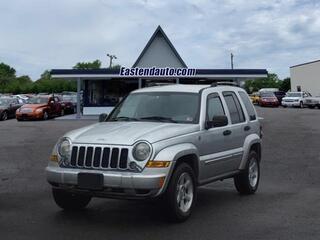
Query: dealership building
158	63
306	77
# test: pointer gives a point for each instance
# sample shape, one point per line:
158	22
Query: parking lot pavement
287	205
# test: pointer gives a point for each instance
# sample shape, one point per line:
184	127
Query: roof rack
215	84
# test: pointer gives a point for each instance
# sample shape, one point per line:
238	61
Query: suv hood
127	133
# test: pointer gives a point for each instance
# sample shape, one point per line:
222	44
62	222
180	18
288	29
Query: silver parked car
161	141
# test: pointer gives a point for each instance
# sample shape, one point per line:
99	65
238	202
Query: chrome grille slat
99	157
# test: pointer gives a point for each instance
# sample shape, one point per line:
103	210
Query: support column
140	83
78	116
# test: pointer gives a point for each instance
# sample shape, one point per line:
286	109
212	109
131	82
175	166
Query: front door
216	149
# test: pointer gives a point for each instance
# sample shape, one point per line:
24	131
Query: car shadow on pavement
111	213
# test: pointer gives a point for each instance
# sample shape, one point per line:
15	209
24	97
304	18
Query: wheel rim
5	116
301	104
45	115
184	192
253	172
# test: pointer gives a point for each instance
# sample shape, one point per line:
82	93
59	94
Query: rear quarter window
235	109
248	105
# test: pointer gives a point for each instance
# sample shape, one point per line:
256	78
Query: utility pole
231	60
111	58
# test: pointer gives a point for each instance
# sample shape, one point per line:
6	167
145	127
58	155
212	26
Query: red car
268	99
40	107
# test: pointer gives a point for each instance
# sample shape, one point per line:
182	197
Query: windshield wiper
159	118
124	119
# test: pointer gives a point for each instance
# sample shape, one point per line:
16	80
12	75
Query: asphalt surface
286	206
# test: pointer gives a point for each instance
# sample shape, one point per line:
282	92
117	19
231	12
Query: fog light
158	164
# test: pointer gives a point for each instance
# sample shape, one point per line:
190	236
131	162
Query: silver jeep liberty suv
161	142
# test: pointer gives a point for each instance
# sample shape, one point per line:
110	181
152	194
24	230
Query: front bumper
290	104
127	185
29	116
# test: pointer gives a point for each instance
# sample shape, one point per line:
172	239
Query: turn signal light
54	158
158	164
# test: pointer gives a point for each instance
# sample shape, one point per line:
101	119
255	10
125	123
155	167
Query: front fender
173	153
248	142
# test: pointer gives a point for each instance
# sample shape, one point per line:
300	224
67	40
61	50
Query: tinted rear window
235	109
248	105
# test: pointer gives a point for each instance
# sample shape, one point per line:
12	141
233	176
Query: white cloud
274	34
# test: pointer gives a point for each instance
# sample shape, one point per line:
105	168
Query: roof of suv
182	88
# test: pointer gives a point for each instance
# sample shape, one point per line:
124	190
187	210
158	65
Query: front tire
181	193
70	201
45	115
4	116
247	181
301	105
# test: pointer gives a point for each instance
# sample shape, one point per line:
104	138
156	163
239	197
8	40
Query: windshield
158	106
4	101
69	98
294	94
267	94
37	100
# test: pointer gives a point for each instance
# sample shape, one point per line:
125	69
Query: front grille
99	157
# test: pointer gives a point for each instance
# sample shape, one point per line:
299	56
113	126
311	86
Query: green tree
88	65
7	71
285	85
271	81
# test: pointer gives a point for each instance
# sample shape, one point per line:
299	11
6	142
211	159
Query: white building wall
307	76
159	54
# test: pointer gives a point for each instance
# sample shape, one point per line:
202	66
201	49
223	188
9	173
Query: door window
214	106
248	105
235	109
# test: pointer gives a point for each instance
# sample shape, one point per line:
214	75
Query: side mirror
103	117
51	102
217	121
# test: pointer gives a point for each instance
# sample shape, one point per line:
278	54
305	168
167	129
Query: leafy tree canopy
88	65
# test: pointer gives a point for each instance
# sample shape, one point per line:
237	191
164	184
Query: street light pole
231	60
111	58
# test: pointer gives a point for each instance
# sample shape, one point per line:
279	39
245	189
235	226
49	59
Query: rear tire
247	181
70	201
181	193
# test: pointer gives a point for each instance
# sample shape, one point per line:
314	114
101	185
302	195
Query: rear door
238	128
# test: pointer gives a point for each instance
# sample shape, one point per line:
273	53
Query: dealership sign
154	71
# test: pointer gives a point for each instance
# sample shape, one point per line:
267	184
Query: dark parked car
69	103
268	99
279	95
8	107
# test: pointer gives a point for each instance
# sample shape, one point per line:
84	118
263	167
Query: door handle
227	132
247	128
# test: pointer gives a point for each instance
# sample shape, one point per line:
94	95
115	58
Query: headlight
141	151
39	110
64	148
296	100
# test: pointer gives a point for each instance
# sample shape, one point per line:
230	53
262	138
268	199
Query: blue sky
36	35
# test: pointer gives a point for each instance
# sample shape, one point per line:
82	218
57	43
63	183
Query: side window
236	112
56	99
248	105
214	106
